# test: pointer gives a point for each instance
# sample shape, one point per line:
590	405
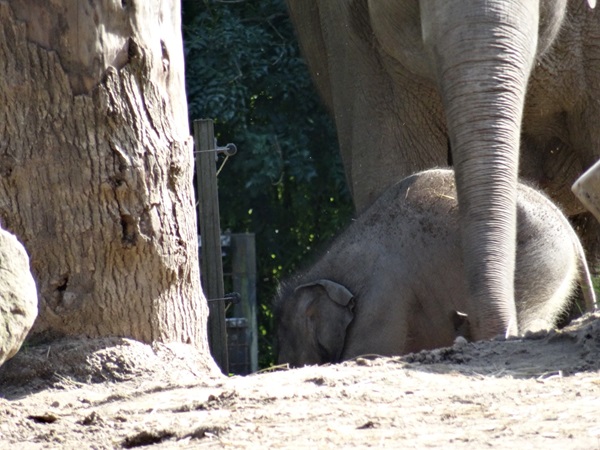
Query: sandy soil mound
539	392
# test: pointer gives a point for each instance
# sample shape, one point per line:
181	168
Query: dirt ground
540	392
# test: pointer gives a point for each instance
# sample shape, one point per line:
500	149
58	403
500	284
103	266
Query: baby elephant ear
329	309
335	291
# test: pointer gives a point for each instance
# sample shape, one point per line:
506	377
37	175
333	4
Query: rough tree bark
96	167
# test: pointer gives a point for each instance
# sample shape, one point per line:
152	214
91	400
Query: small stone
460	342
364	362
91	419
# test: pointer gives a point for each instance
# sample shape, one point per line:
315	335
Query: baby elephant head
312	323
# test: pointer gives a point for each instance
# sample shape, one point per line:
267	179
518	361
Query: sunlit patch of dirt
540	392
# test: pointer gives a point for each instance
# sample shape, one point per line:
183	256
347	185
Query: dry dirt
540	392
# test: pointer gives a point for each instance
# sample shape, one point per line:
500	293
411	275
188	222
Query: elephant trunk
482	54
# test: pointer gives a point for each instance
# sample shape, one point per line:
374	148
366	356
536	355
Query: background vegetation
286	183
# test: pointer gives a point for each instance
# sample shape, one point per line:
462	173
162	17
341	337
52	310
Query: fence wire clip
228	150
233	297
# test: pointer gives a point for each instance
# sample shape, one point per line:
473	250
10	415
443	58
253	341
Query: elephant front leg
482	53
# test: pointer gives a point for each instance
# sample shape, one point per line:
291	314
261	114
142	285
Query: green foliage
286	183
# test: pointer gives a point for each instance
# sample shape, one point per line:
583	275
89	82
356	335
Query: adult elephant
407	80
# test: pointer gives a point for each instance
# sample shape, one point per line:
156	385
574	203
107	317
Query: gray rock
18	296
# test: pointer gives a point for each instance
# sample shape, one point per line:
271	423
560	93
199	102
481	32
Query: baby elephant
393	282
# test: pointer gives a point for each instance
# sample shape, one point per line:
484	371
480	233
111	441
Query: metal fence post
243	250
210	231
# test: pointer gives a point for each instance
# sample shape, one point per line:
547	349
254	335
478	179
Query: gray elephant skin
393	282
505	85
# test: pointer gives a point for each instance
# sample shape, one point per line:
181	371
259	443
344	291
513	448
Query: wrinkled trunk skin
95	162
483	57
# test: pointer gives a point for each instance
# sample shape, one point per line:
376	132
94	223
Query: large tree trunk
95	167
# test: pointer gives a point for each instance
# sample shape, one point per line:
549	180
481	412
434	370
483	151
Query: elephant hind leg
548	268
541	313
